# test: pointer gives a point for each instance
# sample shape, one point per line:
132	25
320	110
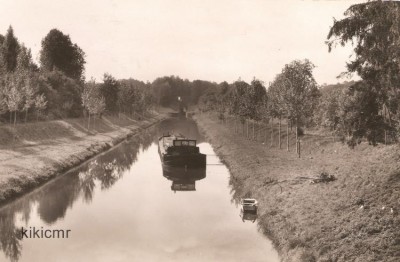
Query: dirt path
354	218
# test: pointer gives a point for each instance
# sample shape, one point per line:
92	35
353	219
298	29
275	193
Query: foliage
63	94
59	53
9	50
359	114
327	112
374	28
40	104
109	90
300	91
294	93
92	99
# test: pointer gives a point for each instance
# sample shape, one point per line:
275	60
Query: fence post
287	135
297	137
272	131
247	128
253	130
279	134
299	148
265	135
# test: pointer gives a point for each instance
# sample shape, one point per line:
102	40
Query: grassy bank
33	153
354	218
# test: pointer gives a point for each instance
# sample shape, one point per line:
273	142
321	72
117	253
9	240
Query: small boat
249	205
178	151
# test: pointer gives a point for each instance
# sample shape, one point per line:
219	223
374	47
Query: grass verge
354	218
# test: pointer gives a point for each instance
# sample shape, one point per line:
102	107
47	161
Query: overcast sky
212	40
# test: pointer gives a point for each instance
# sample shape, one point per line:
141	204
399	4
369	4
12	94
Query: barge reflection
183	179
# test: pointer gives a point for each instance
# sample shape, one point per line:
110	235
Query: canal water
121	206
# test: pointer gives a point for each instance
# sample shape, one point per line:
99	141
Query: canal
121	206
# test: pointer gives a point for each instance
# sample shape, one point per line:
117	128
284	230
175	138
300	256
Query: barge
178	151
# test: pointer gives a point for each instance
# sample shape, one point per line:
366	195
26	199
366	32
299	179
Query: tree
277	107
109	90
29	98
359	114
62	93
40	105
374	29
23	73
92	100
14	98
299	92
25	64
10	49
58	52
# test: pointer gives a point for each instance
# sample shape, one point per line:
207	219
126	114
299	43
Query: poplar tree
10	49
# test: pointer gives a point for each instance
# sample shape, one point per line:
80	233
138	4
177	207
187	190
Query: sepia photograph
200	130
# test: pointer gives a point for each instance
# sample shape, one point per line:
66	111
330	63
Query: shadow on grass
394	177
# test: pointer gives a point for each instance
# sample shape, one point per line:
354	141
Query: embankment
33	153
354	218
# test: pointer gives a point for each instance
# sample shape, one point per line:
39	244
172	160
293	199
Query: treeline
166	90
366	109
56	88
295	98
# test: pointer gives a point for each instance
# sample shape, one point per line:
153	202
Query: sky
215	40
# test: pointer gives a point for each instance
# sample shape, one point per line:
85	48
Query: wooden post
247	128
385	137
287	135
297	138
234	122
279	134
265	134
299	148
254	134
272	131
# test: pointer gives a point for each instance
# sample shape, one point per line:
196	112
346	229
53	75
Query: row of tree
292	96
369	108
53	88
57	88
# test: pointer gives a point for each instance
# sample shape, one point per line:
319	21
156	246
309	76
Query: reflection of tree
87	186
237	189
25	207
55	198
9	239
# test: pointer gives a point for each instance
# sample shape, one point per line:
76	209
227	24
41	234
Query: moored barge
178	151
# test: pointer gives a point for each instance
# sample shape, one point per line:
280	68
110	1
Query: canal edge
73	162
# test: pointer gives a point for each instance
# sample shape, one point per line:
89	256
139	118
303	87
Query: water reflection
183	179
109	225
248	216
54	199
10	240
